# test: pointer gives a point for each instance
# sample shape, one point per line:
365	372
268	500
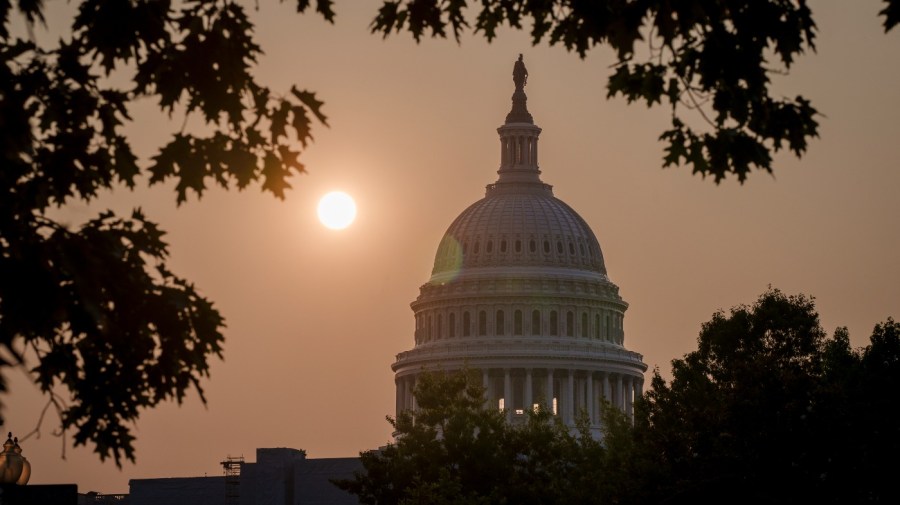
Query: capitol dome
517	225
520	292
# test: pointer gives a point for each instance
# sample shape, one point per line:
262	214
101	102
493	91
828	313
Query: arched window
500	323
503	246
535	322
490	246
476	248
584	325
559	247
452	324
546	247
440	323
532	246
518	246
607	327
554	323
482	323
517	322
597	326
467	324
571	248
428	329
570	324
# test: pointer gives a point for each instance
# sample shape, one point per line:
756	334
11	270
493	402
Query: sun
337	210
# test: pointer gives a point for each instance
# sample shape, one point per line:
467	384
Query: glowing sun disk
337	210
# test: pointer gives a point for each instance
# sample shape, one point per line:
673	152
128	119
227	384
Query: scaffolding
232	466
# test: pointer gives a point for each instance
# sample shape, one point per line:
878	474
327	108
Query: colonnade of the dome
519	147
566	392
519	320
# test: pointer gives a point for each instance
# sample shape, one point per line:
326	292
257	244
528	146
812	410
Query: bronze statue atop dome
520	73
519	112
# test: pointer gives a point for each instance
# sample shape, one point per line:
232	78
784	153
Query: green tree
454	450
768	409
714	58
96	305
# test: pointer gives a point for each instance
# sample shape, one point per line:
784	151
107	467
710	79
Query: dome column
507	395
620	390
589	383
607	390
629	391
549	392
486	384
529	393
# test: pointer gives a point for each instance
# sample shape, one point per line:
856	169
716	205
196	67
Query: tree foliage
768	409
95	304
455	450
715	58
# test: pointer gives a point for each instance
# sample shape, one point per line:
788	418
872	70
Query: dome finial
519	112
520	74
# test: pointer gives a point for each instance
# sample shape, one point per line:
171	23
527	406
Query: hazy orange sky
315	316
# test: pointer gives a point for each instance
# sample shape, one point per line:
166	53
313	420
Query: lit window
519	412
501	404
555	405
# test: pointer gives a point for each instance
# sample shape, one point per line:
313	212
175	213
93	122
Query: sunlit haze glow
315	317
337	210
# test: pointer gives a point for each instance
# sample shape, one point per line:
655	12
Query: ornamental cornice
535	300
530	352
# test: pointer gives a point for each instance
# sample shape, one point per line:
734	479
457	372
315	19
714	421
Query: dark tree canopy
713	58
455	450
95	305
768	409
